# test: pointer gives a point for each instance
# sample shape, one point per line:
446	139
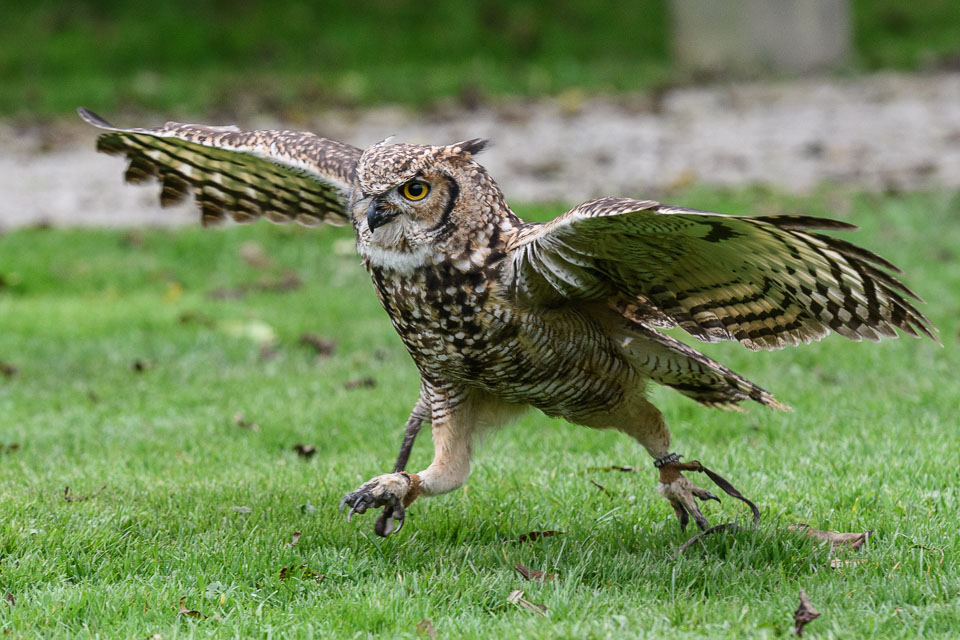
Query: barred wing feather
282	175
767	282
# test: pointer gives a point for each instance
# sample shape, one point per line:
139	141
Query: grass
291	57
872	445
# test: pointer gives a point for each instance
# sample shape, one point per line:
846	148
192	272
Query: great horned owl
500	315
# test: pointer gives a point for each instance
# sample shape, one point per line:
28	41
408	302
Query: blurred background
581	98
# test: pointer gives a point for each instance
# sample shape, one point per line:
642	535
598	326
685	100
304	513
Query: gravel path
875	133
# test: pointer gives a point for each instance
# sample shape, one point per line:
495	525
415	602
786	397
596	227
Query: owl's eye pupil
415	190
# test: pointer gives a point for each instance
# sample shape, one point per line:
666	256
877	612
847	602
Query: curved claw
683	496
390	520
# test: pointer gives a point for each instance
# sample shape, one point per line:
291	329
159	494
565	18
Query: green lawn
872	444
291	57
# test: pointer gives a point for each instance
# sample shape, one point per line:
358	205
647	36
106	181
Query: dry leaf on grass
534	574
323	346
8	370
10	599
425	628
241	421
254	255
196	317
536	535
301	571
268	351
516	598
10	448
305	451
805	614
139	366
853	540
365	383
192	613
80	498
295	540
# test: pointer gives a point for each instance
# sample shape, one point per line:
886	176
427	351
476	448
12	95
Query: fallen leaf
366	383
516	597
536	535
10	448
10	599
80	498
193	613
805	614
302	571
242	509
8	370
139	366
295	540
535	574
253	254
323	346
305	451
601	487
425	628
853	540
196	317
241	421
268	352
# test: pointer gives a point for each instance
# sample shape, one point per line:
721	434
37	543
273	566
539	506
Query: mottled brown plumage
499	314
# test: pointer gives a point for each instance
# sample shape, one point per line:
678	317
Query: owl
501	315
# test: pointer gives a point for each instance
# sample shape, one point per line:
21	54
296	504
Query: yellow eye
415	190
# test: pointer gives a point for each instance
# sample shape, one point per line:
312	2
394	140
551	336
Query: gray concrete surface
873	133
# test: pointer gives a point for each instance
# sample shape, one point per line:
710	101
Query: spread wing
283	175
765	281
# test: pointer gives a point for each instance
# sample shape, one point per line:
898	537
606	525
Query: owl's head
412	196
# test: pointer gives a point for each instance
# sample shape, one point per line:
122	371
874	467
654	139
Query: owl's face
410	198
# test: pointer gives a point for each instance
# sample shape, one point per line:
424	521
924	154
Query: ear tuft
472	146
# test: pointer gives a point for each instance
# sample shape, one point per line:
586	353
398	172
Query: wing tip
92	118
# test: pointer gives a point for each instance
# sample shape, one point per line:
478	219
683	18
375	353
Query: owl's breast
457	326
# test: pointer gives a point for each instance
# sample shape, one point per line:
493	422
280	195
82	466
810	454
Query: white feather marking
400	261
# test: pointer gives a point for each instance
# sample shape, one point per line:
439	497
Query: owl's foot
392	491
683	494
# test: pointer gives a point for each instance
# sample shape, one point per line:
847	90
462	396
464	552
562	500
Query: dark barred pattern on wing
767	282
284	176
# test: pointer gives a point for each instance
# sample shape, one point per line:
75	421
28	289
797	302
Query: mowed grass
197	512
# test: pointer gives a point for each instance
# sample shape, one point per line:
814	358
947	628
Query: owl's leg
453	418
644	423
410	430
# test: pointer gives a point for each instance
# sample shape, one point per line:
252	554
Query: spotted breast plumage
500	315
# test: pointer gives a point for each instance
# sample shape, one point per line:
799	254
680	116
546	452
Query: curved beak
377	216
